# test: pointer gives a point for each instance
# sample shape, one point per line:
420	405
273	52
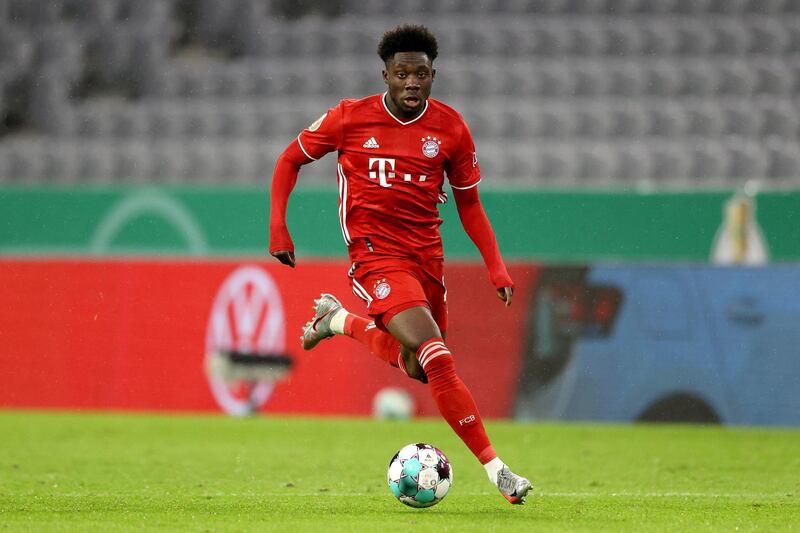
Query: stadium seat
586	7
95	162
92	14
165	163
591	80
626	79
151	12
129	162
554	121
784	160
768	36
727	7
33	13
517	167
730	37
48	103
692	38
699	79
666	120
736	78
628	120
556	164
690	7
17	53
587	39
556	81
741	119
623	7
704	120
210	22
708	162
669	162
542	7
59	49
746	160
773	77
779	118
593	121
663	79
594	162
766	7
631	163
548	39
660	38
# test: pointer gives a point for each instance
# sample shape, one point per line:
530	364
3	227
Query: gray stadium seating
557	92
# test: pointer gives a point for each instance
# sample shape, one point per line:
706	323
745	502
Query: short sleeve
323	135
463	171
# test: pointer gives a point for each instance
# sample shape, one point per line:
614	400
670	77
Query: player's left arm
464	174
479	229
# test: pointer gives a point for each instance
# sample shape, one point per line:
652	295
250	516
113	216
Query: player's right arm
321	137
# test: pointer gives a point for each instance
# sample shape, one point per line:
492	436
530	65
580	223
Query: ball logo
382	290
430	146
247	316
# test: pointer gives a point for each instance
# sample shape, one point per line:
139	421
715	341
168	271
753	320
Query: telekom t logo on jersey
386	170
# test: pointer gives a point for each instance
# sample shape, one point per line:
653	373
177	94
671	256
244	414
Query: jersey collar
383	101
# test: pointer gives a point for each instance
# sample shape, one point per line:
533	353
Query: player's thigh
436	294
413	327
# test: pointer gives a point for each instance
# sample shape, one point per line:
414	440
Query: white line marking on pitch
288	492
666	494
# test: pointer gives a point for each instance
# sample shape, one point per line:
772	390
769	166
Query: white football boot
514	488
319	327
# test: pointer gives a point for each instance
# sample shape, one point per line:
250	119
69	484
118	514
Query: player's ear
385	76
433	74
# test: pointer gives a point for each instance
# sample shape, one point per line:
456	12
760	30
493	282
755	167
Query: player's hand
504	294
284	256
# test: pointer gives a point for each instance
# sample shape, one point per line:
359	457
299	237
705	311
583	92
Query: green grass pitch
124	472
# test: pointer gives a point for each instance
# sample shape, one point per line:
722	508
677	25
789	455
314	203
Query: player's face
409	76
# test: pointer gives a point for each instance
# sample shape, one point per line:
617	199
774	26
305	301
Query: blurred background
558	92
641	169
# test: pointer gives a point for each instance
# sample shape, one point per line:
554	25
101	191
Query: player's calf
331	318
411	365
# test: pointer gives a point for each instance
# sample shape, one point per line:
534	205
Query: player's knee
418	374
412	367
423	340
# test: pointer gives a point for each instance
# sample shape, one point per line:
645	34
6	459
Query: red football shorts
392	285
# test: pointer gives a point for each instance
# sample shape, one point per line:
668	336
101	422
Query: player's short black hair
408	38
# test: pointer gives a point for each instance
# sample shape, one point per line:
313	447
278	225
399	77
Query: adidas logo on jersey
371	143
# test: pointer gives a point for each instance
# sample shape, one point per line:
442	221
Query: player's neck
398	114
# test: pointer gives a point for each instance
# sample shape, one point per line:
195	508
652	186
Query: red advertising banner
136	334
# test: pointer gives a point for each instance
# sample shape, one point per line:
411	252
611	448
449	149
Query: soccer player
395	150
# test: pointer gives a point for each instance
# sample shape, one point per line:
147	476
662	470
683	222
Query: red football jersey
391	173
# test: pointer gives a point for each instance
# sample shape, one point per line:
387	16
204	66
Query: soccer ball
420	475
392	403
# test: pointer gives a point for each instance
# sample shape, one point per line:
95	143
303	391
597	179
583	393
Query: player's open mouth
411	101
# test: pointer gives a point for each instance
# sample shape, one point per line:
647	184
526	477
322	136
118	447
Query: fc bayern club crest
382	289
430	146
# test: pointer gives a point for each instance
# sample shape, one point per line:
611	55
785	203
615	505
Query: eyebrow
406	65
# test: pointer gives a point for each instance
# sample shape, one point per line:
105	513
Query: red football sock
454	399
379	342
